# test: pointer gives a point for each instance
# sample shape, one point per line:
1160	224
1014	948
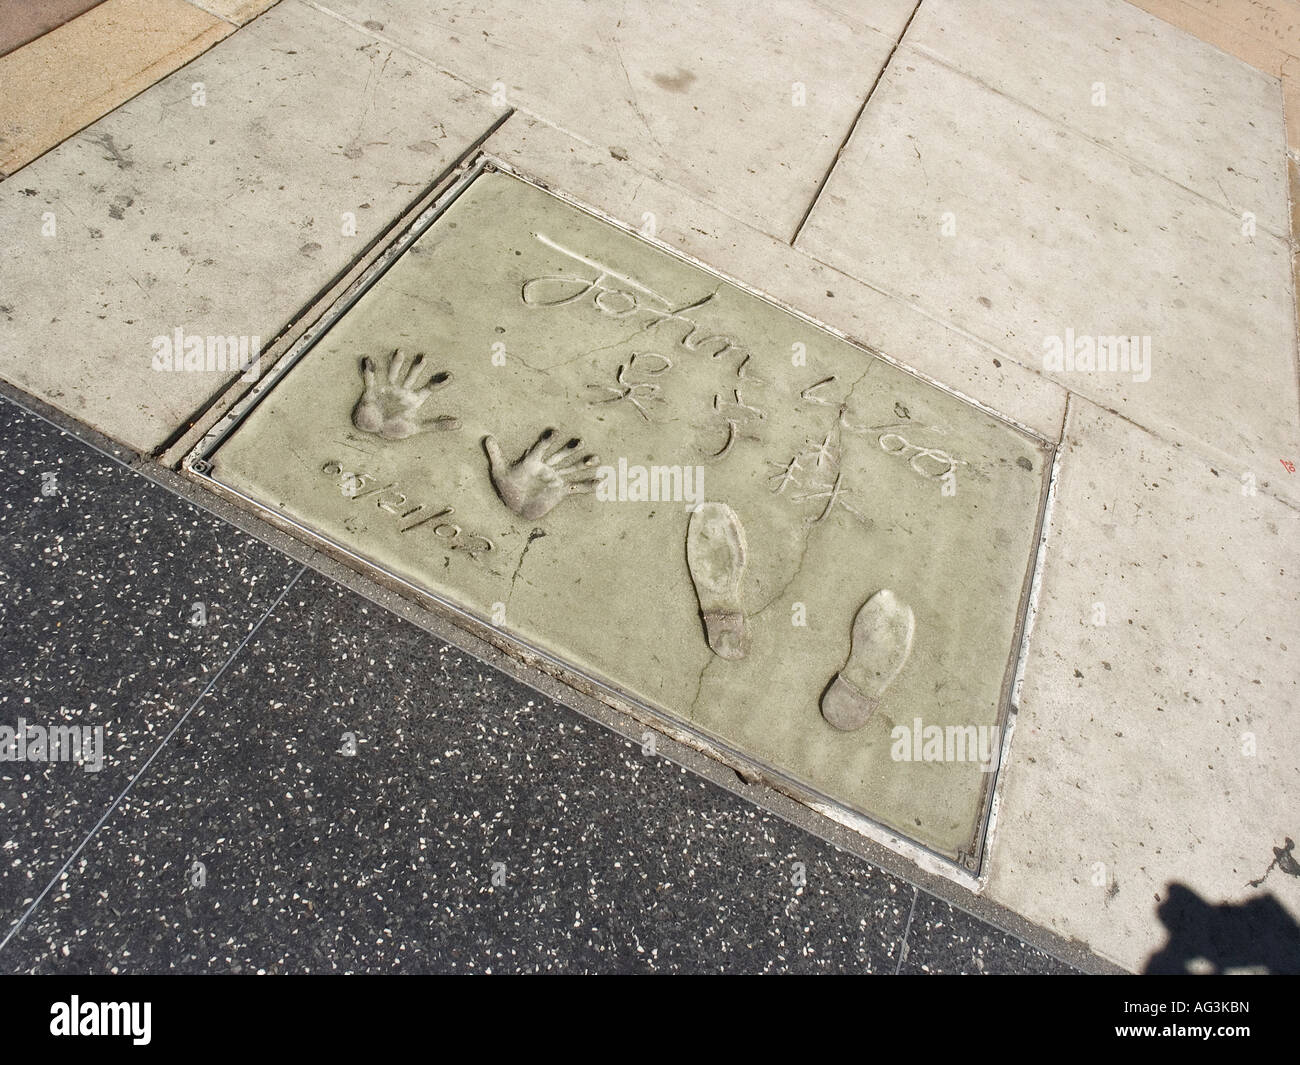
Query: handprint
534	484
393	408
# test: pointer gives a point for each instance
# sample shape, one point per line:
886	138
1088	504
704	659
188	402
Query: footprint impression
715	556
878	650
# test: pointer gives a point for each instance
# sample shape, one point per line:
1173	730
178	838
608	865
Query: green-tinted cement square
848	475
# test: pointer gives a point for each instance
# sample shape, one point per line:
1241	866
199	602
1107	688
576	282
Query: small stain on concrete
679	82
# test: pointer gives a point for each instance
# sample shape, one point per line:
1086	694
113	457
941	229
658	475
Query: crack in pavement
535	534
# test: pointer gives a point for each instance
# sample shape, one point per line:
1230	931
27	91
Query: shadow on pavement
1257	934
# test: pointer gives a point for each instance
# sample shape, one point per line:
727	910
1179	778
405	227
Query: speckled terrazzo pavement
478	826
98	585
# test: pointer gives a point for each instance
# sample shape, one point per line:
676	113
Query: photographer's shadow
1253	935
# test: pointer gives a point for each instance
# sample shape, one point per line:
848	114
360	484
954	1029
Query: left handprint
393	408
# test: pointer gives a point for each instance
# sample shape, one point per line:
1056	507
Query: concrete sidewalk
972	189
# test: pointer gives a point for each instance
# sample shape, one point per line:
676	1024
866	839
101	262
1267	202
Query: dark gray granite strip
117	604
944	939
605	858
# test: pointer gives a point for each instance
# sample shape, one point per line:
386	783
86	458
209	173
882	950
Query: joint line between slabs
22	921
853	126
907	931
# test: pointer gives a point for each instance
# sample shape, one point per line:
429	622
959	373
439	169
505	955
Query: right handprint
536	482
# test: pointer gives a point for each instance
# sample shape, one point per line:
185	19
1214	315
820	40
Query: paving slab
1128	81
1261	32
761	483
237	11
25	20
1291	108
897	329
1035	238
1293	176
476	827
1153	767
746	111
220	220
119	605
66	79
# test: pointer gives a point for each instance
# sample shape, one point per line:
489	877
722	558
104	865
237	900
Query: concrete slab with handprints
522	416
